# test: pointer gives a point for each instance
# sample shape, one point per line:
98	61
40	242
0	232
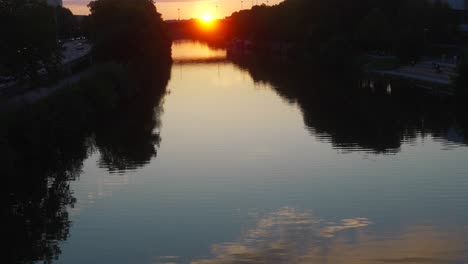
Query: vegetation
67	24
28	41
461	81
334	30
128	30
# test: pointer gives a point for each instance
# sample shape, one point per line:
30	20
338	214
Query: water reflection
35	191
43	151
230	148
130	139
186	51
290	236
335	110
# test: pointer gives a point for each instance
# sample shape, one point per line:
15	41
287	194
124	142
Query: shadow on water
355	116
44	146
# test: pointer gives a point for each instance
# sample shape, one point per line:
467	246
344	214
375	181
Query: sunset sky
188	8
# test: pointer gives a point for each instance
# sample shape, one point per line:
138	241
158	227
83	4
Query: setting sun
207	21
207	18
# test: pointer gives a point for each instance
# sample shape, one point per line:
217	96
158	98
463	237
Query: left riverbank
11	103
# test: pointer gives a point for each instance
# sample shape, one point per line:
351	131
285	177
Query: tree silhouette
29	38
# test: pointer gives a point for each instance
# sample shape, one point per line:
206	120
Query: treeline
28	39
128	30
334	29
120	30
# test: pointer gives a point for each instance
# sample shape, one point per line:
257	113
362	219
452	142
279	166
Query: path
424	71
40	93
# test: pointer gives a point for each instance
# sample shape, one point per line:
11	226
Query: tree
324	28
461	81
28	41
128	30
374	32
67	23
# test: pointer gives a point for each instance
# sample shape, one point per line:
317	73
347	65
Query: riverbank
76	64
427	70
42	92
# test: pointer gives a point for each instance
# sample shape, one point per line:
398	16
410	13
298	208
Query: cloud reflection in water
289	236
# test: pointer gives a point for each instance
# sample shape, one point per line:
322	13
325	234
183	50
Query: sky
188	8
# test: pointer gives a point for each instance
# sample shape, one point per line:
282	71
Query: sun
207	18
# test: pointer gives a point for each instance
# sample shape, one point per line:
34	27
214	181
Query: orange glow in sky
170	9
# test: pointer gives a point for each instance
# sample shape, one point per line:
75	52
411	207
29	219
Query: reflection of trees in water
129	138
36	193
129	142
44	152
336	110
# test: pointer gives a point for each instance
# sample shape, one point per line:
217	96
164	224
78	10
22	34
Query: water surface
262	163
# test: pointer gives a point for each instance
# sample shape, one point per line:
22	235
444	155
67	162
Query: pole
178	10
242	5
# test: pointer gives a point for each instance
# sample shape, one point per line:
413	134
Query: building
55	3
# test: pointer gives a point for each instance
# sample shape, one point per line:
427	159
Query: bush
461	80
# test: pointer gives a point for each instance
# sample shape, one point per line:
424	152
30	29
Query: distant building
55	2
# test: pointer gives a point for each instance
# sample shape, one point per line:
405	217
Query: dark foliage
68	26
128	30
461	80
28	41
341	28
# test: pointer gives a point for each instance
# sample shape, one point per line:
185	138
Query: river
259	163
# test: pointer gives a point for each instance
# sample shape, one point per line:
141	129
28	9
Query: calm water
265	164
